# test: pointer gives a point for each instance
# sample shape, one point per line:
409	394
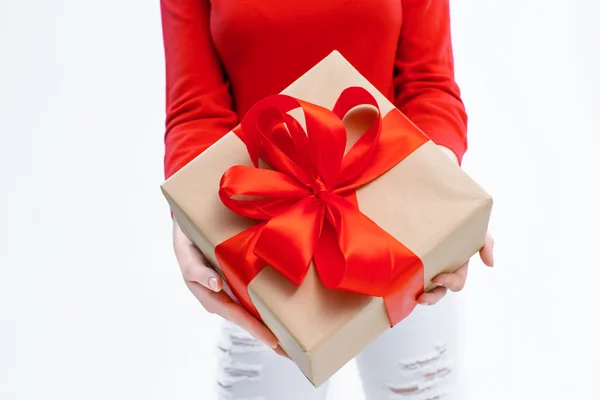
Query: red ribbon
307	203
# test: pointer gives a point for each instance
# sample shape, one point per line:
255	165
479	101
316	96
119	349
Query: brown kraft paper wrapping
426	202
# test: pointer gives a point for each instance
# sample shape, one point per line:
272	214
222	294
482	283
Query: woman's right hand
207	285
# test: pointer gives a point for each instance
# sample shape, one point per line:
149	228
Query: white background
92	305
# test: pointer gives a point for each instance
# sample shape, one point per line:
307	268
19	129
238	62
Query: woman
222	56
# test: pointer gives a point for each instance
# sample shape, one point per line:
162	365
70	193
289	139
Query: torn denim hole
235	372
236	341
428	377
228	395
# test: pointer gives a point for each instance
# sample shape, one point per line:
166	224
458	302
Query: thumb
487	252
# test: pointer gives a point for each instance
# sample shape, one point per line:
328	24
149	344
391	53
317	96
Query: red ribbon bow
307	201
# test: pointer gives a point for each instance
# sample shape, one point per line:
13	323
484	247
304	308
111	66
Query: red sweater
222	56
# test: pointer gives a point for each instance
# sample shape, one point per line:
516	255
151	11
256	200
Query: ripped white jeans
413	361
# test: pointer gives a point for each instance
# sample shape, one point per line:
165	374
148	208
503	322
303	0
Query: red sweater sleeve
424	81
198	103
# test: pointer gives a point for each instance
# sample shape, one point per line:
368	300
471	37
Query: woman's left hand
455	281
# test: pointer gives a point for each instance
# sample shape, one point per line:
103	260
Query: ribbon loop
259	193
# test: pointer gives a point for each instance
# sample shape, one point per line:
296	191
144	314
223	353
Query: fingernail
212	282
440	284
425	303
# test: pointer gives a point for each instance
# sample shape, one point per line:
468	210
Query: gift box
327	212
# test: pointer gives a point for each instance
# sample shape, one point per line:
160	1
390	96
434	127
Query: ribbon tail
365	265
287	241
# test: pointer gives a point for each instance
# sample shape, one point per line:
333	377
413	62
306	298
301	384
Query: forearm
198	104
426	91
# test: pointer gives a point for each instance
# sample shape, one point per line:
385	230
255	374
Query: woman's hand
455	281
206	285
